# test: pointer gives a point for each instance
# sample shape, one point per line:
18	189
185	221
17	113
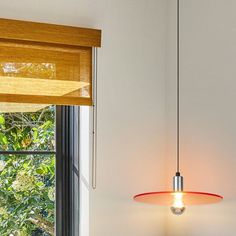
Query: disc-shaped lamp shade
189	198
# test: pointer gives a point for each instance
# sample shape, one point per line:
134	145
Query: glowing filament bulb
178	207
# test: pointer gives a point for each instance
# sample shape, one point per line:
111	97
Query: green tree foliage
27	182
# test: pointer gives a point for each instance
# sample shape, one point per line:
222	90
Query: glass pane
27	195
27	127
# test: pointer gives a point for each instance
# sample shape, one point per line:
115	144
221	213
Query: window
40	152
27	173
40	172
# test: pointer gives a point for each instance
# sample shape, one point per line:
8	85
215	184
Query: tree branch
43	224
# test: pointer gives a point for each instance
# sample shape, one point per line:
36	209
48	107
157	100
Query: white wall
208	114
131	117
131	110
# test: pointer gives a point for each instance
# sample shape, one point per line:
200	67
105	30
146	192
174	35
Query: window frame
67	170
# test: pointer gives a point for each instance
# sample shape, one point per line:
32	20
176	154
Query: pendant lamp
178	198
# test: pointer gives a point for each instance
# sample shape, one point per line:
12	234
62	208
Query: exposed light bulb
178	207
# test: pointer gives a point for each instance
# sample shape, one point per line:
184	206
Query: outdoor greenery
27	182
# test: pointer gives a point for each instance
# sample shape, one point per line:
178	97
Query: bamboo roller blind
45	64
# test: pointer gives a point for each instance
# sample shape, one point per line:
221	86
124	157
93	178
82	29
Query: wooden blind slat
49	33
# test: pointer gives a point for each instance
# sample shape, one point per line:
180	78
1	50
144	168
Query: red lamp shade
189	198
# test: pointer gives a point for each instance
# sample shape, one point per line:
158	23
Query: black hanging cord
178	76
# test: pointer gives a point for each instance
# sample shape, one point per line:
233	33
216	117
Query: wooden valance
45	63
